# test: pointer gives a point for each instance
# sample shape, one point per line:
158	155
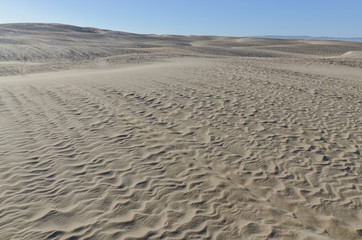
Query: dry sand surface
109	135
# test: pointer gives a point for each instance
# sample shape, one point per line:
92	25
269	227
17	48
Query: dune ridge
191	147
32	47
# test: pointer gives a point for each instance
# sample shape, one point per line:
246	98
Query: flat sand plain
108	135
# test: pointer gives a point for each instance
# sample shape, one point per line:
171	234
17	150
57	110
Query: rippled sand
184	148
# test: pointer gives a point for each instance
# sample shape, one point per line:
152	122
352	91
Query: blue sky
334	18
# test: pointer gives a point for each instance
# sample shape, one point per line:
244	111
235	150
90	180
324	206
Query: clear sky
333	18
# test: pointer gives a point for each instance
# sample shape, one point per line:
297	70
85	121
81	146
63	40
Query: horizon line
287	36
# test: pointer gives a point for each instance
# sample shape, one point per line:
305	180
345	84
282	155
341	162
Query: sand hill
113	135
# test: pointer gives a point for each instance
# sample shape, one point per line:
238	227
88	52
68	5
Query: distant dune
114	135
313	38
47	47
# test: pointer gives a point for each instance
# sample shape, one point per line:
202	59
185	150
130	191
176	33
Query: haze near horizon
222	18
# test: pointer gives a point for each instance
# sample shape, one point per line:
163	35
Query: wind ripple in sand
226	149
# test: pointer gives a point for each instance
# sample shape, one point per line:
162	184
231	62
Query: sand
219	138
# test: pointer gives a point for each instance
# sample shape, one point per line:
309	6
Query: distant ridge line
352	39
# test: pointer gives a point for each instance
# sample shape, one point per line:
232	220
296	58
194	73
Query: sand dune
352	54
55	47
185	145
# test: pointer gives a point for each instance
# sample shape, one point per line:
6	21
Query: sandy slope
184	148
32	47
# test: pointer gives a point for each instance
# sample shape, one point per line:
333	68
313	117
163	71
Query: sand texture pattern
203	145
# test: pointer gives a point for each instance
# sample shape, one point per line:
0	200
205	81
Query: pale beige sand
226	147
